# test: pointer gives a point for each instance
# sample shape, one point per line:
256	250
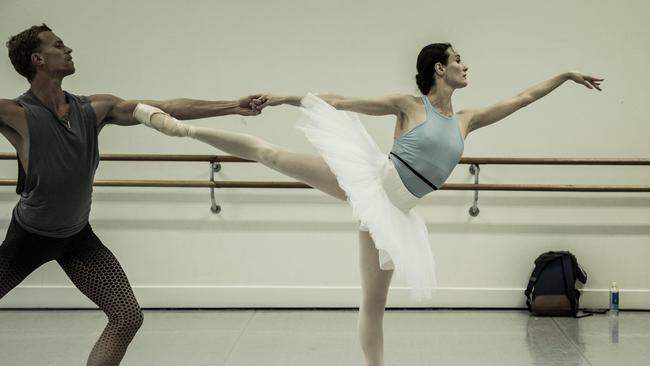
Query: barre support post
215	167
474	169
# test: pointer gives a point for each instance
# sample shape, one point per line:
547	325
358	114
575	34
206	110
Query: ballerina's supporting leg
374	286
313	170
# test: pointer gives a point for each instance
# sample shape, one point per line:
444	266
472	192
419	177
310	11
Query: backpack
551	288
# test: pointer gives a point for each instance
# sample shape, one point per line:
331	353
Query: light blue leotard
425	156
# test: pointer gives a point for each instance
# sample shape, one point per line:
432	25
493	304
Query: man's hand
250	105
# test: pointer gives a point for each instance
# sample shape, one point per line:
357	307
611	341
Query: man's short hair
22	46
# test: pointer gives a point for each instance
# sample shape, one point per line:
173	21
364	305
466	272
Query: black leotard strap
425	180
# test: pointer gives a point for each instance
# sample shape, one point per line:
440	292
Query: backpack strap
585	314
580	273
569	288
540	264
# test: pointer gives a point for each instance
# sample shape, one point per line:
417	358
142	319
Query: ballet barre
474	163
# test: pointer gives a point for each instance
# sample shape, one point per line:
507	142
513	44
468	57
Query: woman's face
455	72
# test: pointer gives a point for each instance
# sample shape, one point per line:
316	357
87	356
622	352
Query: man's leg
99	276
20	254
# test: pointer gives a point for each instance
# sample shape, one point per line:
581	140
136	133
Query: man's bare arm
113	110
12	117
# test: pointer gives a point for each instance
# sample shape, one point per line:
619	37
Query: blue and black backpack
551	289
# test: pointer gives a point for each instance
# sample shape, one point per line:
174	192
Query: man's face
53	58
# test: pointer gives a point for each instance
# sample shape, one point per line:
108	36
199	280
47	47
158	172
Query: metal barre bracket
474	169
215	167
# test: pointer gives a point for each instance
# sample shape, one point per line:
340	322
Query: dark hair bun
423	84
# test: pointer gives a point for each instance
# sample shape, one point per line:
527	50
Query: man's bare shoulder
103	104
8	104
11	112
104	98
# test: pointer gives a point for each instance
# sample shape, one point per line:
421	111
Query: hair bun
423	84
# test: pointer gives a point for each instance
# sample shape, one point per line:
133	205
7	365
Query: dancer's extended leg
99	276
92	268
374	285
308	168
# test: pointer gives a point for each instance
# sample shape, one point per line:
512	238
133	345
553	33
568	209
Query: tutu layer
378	198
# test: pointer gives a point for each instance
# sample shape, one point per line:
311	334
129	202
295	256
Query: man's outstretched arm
113	110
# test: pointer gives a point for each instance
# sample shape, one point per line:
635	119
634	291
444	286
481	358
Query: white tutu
375	191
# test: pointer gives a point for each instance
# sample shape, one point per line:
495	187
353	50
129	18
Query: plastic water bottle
613	299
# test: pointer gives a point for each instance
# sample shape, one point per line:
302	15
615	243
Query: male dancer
55	136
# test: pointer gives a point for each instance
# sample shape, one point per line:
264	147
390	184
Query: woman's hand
269	100
586	80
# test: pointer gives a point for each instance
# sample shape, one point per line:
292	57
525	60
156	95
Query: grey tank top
425	156
63	156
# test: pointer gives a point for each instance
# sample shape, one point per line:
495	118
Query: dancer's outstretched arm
379	106
114	110
481	117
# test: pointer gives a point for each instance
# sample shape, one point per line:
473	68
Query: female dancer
381	190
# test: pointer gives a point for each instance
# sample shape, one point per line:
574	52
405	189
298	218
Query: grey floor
306	338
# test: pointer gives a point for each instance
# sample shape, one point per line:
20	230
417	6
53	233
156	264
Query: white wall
297	247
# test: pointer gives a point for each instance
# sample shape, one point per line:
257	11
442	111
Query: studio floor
328	337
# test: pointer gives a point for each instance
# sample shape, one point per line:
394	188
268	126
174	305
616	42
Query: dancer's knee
374	299
376	308
137	319
128	321
268	154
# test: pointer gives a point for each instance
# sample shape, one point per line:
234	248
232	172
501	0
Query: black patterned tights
92	268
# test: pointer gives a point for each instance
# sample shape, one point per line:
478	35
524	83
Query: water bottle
613	299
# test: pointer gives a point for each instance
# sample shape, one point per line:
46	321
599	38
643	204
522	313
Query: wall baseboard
302	297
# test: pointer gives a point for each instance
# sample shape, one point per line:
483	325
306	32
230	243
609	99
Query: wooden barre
467	160
293	185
